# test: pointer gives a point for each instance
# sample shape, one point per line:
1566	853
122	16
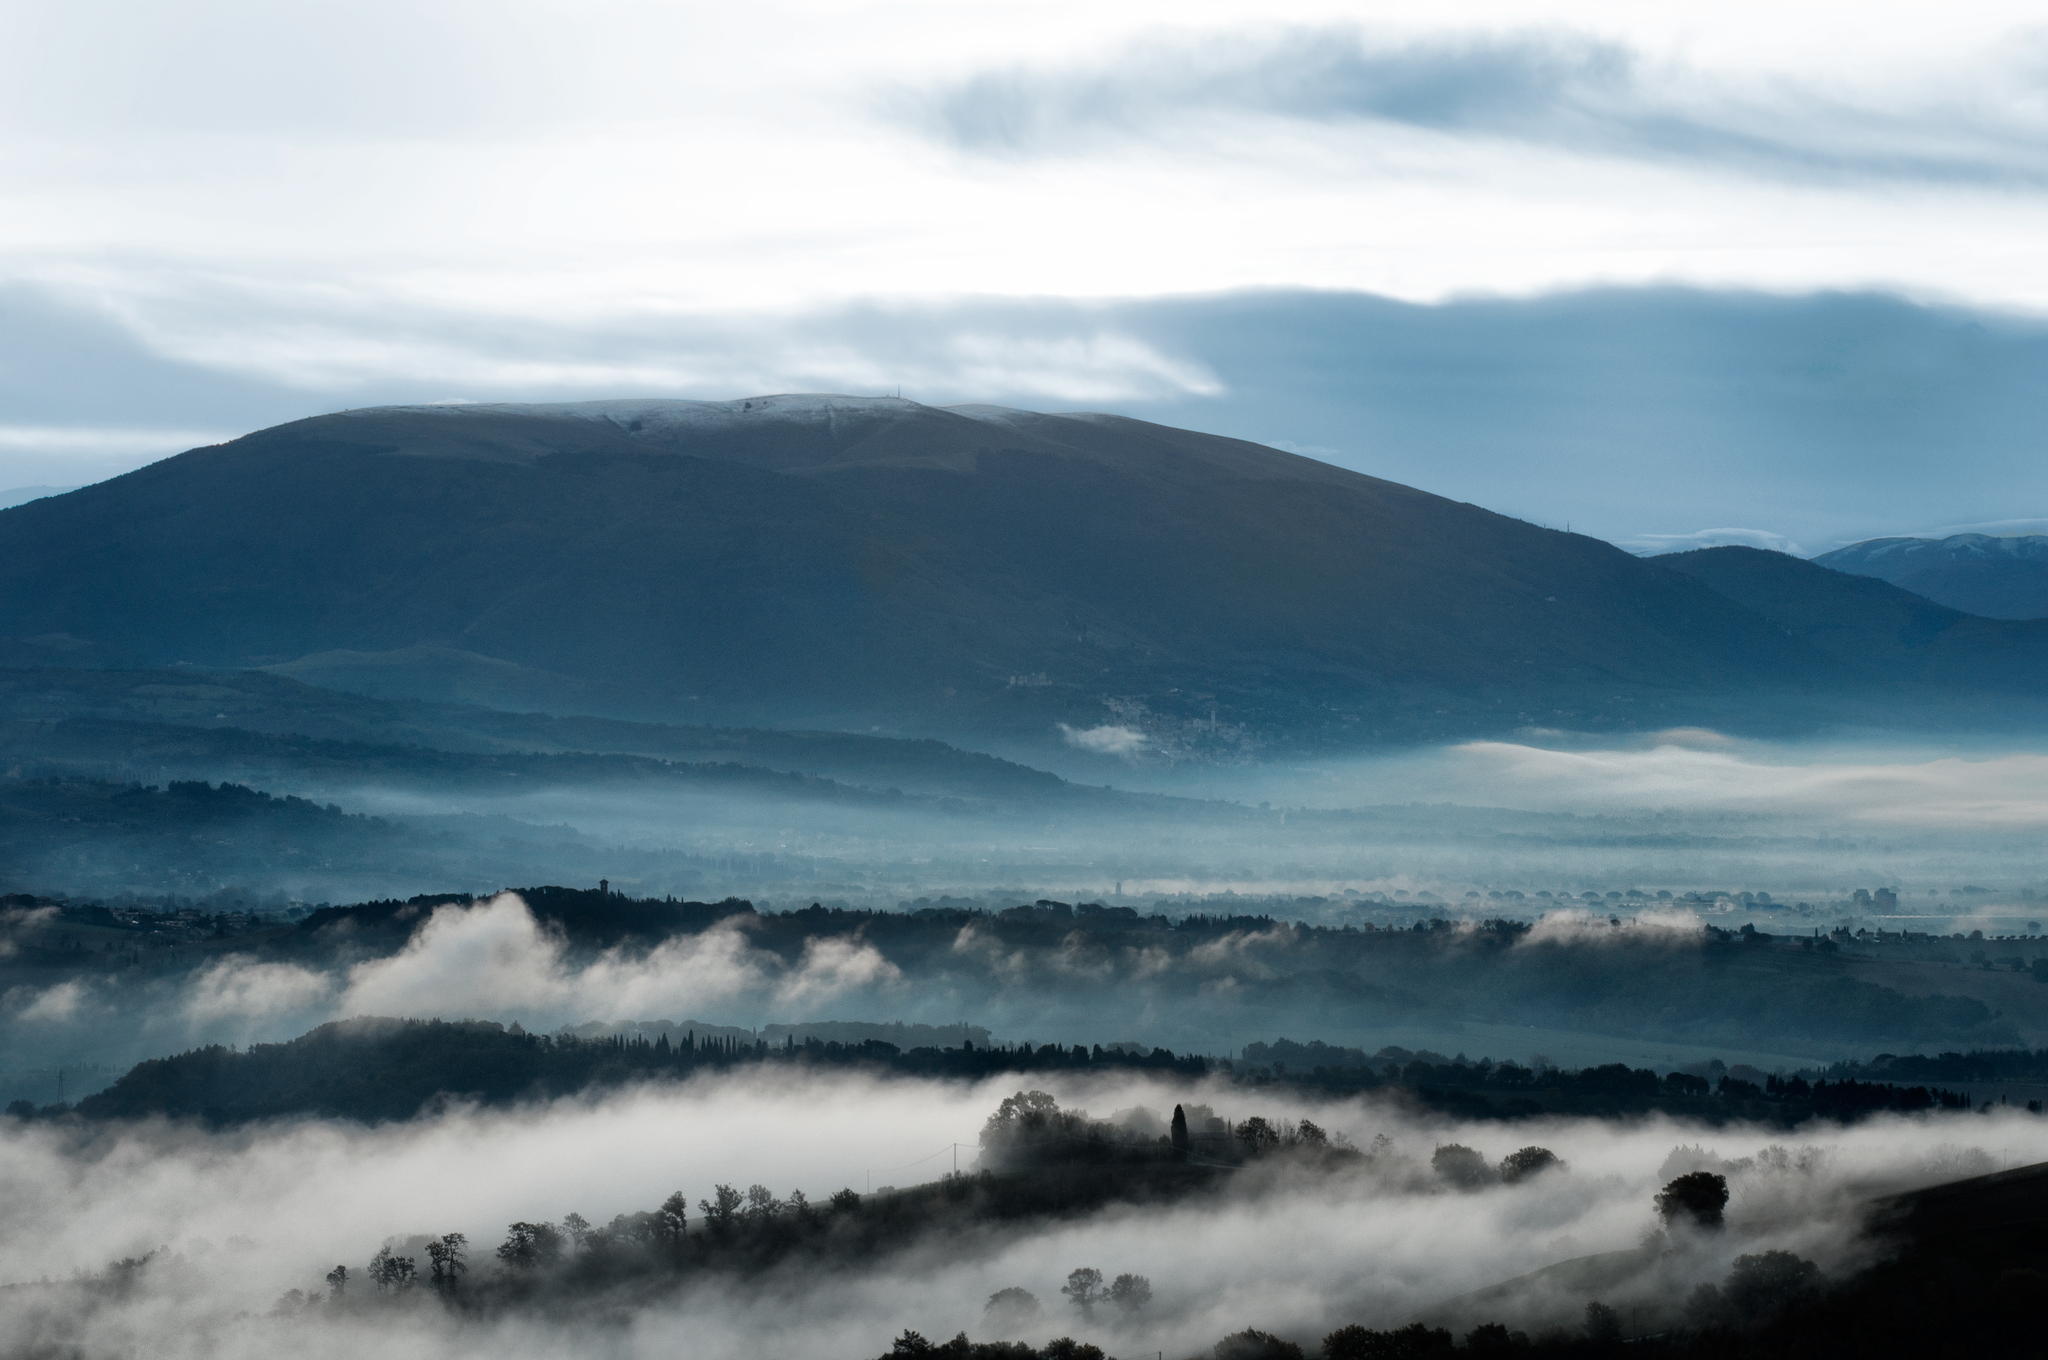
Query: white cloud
239	988
57	1004
92	441
495	960
1108	739
1652	544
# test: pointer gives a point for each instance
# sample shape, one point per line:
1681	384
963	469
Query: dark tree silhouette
1413	1342
1179	1131
1084	1288
1066	1348
337	1281
1603	1324
1462	1167
446	1260
721	1211
1492	1338
672	1223
1253	1344
1010	1309
1697	1199
391	1274
1130	1293
1526	1162
1767	1283
1257	1136
762	1206
529	1245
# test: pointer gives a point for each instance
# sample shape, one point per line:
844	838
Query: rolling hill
1876	629
848	562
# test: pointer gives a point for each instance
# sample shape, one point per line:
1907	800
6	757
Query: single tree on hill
1084	1288
1528	1162
1697	1199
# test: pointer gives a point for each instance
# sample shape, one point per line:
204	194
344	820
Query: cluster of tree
1030	1129
736	1229
1464	1168
747	1231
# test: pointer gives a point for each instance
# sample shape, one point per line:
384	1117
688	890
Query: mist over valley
1061	682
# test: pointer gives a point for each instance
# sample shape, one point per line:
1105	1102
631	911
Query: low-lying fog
250	1214
1904	781
1678	811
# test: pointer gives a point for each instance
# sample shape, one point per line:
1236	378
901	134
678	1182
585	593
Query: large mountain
1995	577
860	561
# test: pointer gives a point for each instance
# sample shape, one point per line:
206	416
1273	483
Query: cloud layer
1560	89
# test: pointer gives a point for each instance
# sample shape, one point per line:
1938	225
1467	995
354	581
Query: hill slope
1995	577
1874	628
844	561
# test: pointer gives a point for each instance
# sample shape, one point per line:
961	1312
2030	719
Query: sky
1747	272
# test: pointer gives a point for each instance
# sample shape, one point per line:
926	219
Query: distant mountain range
970	572
1998	577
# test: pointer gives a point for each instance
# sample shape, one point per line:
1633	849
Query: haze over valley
816	680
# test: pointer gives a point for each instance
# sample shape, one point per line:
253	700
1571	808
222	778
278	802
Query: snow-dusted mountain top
2025	547
813	432
646	412
1997	576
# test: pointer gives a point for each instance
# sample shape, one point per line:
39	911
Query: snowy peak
674	412
1996	576
1956	547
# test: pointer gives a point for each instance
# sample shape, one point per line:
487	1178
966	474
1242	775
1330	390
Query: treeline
1981	1065
378	1069
1484	1089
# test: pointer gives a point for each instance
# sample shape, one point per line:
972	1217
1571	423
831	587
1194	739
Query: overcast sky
1772	269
